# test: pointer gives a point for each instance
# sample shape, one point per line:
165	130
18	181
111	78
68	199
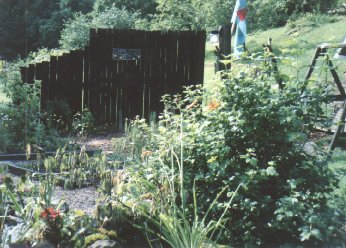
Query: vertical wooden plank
64	89
194	55
187	56
147	57
77	79
94	95
72	86
202	37
171	81
38	77
164	62
180	66
45	84
42	74
24	73
60	78
53	74
102	76
86	77
140	43
115	88
108	59
31	74
155	73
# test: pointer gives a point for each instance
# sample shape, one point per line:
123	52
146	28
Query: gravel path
78	199
102	141
85	198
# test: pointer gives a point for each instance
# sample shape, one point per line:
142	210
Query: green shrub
249	133
83	123
75	34
264	14
21	120
58	115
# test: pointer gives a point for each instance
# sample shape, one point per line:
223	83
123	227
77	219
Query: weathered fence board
114	89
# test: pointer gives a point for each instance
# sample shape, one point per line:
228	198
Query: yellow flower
146	154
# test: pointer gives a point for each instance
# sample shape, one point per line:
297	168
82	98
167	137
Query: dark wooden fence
114	88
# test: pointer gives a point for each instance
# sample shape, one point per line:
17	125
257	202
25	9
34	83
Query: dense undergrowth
219	167
251	134
223	166
21	119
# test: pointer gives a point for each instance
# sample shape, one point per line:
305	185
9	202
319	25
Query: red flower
50	213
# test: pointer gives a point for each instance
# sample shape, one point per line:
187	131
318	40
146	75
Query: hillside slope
306	36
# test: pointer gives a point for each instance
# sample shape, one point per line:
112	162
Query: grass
209	69
338	160
337	164
305	40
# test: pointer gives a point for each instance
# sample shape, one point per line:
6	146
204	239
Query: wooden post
275	63
224	48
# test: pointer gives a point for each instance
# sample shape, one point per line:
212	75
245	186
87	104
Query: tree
192	14
27	25
76	31
145	7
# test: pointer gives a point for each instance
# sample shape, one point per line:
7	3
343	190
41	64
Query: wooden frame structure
321	50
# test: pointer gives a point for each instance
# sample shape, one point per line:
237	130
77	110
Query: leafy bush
58	115
21	122
249	133
76	32
83	123
146	7
264	14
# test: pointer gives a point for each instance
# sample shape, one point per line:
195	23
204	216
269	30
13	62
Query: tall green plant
21	120
249	131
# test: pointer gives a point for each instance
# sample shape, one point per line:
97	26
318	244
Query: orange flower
213	105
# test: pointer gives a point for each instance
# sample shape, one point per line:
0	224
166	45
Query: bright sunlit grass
305	40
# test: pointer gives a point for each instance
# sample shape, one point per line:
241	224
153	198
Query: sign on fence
126	54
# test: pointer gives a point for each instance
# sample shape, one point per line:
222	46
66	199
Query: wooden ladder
321	50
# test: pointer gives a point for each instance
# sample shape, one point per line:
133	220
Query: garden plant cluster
225	167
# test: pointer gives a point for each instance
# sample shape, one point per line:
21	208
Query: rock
19	245
44	244
13	220
310	148
105	244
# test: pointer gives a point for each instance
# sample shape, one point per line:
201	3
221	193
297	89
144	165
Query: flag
239	23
